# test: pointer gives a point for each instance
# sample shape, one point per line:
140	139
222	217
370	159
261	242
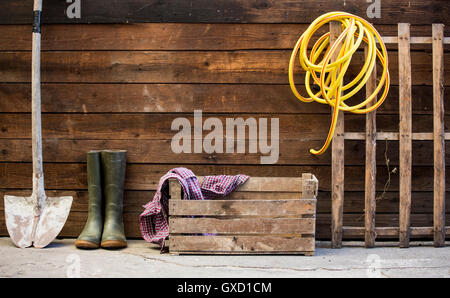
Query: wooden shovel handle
38	171
37	5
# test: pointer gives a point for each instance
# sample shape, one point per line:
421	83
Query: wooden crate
263	216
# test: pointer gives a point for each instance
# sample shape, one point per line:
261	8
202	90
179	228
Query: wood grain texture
405	143
337	161
223	11
268	184
175	98
68	176
242	208
238	226
174	36
271	184
229	67
158	126
158	152
241	244
371	166
185	98
439	138
134	80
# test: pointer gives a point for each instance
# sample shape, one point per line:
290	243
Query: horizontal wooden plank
394	136
241	226
269	184
178	36
257	195
248	244
231	67
159	151
158	126
176	98
391	231
222	11
69	176
242	208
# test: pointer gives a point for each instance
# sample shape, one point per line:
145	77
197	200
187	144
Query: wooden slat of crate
242	207
253	195
242	226
269	184
241	244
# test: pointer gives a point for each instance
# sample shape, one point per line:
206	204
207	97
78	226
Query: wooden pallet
405	136
263	216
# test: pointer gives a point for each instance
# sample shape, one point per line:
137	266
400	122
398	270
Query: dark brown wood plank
67	176
241	226
158	126
439	138
231	67
159	152
405	144
155	36
172	36
275	208
222	11
175	98
249	244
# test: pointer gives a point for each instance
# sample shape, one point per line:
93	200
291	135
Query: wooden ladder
405	136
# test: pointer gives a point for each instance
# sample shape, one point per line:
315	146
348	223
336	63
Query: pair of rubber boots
106	177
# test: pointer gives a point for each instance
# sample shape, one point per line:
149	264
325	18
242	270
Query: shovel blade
52	220
20	220
19	215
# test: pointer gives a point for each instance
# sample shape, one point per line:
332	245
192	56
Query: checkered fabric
153	221
219	186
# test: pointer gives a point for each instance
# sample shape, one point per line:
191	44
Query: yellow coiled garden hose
329	76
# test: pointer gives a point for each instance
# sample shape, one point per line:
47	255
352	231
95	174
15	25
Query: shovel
36	220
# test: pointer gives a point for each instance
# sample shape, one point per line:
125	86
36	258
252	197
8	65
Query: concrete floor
140	259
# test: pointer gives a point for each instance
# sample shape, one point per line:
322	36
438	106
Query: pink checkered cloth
153	222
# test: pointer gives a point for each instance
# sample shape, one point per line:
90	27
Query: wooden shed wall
117	77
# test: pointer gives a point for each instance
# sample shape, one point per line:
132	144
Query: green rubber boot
114	164
92	232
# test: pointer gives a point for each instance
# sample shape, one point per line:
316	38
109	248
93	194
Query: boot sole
113	244
86	244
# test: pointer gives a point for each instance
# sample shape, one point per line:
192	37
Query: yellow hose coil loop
329	76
